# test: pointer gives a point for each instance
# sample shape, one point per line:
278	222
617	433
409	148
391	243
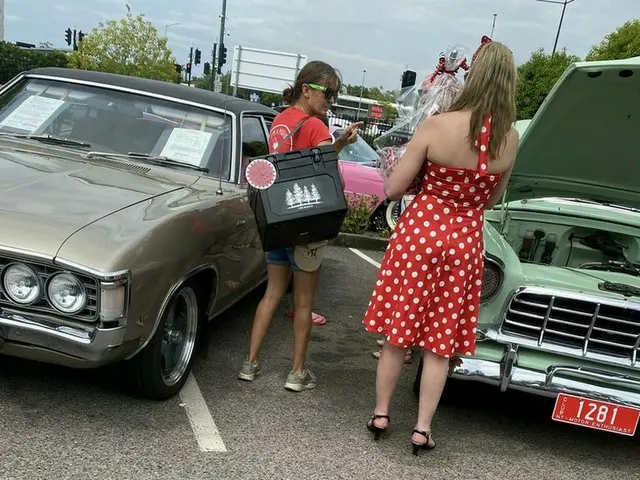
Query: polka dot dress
428	288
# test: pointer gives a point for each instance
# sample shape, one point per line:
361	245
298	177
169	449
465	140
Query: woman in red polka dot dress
427	293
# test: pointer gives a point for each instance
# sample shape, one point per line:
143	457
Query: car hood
45	198
574	207
579	280
582	140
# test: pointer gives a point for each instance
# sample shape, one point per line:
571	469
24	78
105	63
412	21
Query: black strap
295	130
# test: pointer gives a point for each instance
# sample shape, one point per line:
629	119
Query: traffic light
178	67
198	57
223	55
67	36
188	68
222	58
207	68
80	36
408	78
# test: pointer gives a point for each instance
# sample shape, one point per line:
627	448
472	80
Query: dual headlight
64	291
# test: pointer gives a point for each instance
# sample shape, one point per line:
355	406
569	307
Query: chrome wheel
392	213
179	336
396	208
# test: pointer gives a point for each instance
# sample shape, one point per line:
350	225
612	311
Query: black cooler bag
305	204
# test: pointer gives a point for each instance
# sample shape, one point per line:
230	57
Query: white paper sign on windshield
186	145
31	114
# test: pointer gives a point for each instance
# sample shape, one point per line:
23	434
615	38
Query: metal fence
372	129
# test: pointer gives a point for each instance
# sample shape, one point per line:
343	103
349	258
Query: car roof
157	87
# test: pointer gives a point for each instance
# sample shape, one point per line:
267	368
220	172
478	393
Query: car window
113	121
254	142
268	121
359	151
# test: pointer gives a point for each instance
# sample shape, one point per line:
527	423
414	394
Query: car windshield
93	118
359	151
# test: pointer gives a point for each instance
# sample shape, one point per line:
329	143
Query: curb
364	242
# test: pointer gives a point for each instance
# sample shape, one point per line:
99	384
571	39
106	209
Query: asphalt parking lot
63	424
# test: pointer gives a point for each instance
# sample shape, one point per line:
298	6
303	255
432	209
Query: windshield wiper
616	266
48	138
150	158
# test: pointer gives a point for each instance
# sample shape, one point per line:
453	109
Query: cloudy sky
381	36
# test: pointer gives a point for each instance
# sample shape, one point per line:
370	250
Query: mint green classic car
560	314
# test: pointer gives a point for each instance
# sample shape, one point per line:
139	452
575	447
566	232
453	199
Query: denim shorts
306	258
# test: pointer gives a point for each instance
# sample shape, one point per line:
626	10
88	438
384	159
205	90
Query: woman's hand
349	136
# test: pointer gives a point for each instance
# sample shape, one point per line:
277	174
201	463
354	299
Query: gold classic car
124	220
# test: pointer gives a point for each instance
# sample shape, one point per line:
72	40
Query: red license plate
595	414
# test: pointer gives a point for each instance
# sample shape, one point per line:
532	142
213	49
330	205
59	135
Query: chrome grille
44	271
592	325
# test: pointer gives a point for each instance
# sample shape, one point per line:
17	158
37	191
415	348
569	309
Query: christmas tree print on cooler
302	197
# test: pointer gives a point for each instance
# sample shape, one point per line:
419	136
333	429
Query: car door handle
240	222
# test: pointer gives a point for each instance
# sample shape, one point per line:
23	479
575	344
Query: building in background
347	107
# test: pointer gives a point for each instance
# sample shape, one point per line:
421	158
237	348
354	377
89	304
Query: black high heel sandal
422	446
377	431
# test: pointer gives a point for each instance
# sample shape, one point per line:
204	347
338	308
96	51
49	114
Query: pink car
358	166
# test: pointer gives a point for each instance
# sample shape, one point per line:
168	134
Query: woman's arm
509	153
410	164
496	195
349	136
328	142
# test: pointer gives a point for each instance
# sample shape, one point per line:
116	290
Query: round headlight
66	293
491	280
21	284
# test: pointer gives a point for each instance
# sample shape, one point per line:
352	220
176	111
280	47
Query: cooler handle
318	164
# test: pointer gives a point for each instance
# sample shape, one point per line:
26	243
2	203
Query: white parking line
365	257
202	424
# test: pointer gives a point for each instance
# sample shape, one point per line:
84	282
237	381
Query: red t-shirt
309	135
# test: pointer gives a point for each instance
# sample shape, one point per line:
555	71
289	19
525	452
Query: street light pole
494	24
364	72
166	27
564	4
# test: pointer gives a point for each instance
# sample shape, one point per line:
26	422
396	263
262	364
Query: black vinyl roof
157	87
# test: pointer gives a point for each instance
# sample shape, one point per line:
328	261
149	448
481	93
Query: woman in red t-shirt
310	98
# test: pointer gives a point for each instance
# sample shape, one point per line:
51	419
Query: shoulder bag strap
295	130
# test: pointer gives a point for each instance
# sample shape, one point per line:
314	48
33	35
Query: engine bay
565	241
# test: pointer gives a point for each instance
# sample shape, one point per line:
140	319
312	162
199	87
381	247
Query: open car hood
582	141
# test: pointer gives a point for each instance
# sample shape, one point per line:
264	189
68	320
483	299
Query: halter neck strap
483	145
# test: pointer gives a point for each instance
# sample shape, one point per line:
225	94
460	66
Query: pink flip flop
317	318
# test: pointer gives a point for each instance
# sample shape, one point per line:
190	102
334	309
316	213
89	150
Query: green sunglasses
328	92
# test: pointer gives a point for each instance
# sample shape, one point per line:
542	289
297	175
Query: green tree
204	82
384	97
14	60
623	43
372	93
392	112
129	46
537	76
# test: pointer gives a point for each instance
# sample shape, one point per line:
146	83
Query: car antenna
224	117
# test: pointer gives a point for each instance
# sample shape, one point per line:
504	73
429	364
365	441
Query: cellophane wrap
434	95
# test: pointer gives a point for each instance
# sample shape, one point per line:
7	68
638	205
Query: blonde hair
490	89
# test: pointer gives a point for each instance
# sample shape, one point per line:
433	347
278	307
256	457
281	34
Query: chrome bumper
35	337
557	379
